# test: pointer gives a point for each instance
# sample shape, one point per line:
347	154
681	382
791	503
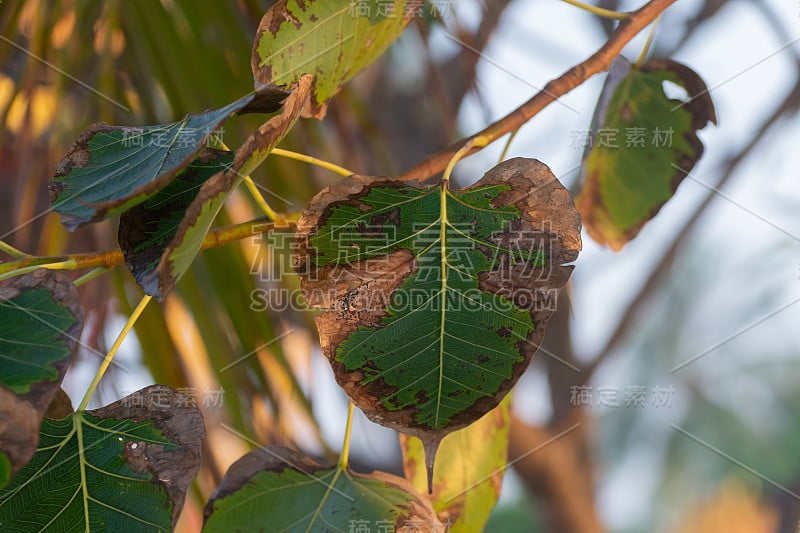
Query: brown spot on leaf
21	414
548	224
19	428
393	216
180	421
278	459
62	291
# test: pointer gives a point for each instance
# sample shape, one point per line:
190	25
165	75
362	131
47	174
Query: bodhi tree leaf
291	493
124	467
435	300
110	169
147	229
180	251
40	324
469	472
333	41
643	145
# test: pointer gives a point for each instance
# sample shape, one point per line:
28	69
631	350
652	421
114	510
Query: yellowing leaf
469	471
330	40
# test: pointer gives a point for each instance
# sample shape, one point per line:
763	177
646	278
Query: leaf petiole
648	42
89	276
345	455
113	351
10	250
252	188
479	141
599	11
312	160
507	146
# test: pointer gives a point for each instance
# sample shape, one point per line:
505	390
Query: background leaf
124	467
469	471
184	246
110	169
333	41
291	493
40	324
147	229
643	145
436	300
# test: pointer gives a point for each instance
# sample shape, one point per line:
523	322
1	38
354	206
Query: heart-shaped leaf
40	324
110	169
643	144
435	300
124	467
291	493
333	41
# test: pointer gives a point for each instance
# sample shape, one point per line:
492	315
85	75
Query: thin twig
555	89
112	258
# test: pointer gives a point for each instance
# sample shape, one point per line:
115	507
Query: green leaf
643	145
179	253
436	300
146	230
110	169
124	467
333	41
469	472
289	492
40	324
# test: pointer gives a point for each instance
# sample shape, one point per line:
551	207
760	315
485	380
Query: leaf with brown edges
434	301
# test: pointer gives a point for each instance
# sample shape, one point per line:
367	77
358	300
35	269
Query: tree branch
555	89
112	258
552	470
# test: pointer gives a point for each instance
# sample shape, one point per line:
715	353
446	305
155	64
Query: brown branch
555	89
111	258
552	470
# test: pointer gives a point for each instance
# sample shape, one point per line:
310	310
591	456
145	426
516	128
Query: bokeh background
679	357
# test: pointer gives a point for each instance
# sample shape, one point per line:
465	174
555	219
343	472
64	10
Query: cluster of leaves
434	301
